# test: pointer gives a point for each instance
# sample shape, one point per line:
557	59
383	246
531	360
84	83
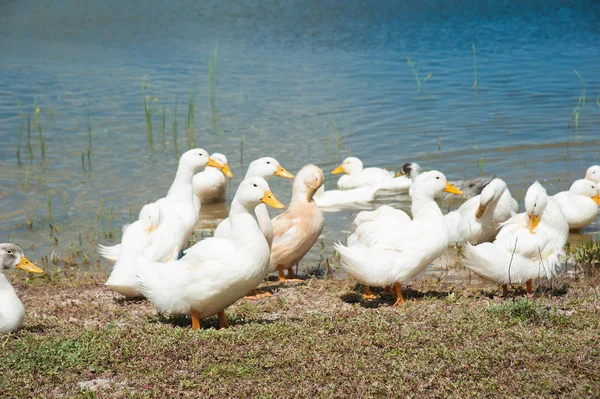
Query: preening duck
529	245
357	176
593	173
215	272
479	218
12	311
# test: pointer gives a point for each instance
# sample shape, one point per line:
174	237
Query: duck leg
388	289
504	290
529	287
195	320
292	275
368	293
281	274
400	298
253	295
223	323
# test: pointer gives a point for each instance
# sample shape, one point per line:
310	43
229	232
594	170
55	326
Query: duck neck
299	195
244	228
5	285
424	205
183	177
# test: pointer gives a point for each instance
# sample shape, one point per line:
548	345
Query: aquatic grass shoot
147	113
49	204
189	127
580	105
163	125
174	131
212	73
416	73
38	124
474	87
29	147
20	136
482	165
89	131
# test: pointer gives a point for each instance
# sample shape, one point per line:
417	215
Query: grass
587	257
88	121
190	130
580	104
174	131
474	87
318	339
416	73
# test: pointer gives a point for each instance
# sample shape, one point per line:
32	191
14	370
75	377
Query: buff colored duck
357	176
529	245
479	218
215	272
298	228
12	311
210	185
179	209
394	256
266	168
579	204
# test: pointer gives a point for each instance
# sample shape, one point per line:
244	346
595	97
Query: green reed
416	73
174	130
189	127
212	73
148	117
474	87
66	202
49	204
38	125
163	125
29	147
580	105
482	165
88	121
21	127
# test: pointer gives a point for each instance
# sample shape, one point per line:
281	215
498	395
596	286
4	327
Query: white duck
210	185
529	245
341	198
479	218
395	256
580	203
12	311
469	188
357	176
298	228
266	168
137	236
384	218
215	272
180	208
593	173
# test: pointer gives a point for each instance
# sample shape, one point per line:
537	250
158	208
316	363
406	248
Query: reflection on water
86	160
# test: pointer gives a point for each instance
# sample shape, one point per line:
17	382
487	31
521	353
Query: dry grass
317	339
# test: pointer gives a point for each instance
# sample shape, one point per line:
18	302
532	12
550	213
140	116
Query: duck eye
9	252
438	177
255	185
268	162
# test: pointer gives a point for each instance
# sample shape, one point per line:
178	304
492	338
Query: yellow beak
281	172
150	229
596	199
399	173
480	211
310	193
451	189
26	265
269	199
339	169
212	162
226	171
534	220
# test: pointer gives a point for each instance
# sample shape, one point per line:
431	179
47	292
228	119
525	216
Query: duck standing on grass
298	228
479	218
529	245
215	272
12	311
179	203
210	185
579	204
395	255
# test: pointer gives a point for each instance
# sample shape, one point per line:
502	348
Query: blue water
285	70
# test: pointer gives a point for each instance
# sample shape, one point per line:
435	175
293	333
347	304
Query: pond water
284	73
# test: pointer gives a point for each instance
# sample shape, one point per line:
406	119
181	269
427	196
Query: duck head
490	194
350	165
593	173
307	182
222	159
150	216
429	184
12	257
266	167
254	191
195	159
586	188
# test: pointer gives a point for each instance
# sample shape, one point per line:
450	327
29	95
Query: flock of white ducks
388	248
